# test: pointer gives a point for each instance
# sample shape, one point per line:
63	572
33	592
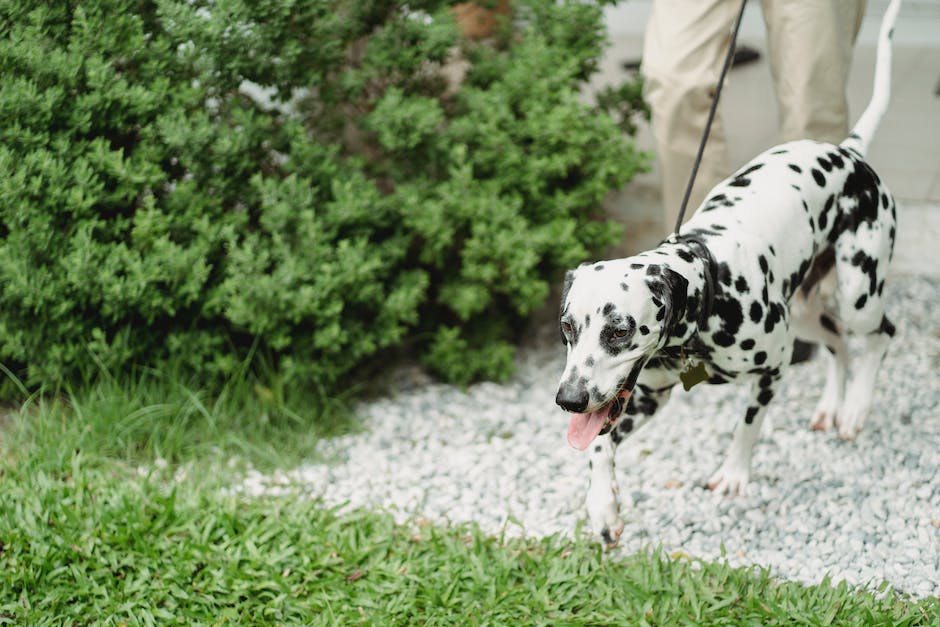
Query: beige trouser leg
810	45
683	50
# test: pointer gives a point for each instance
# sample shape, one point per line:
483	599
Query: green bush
196	181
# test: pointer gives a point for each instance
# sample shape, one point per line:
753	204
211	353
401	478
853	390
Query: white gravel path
865	511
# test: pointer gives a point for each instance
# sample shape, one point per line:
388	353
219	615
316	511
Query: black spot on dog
886	327
828	324
869	266
861	184
625	287
760	357
630	381
861	301
700	233
836	160
729	310
747	344
685	255
609	307
589	362
765	396
646	405
774	315
824	164
636	266
653	270
763	263
598	267
781	151
796	168
718	200
741	178
723	338
724	274
751	413
644	330
740	284
818	176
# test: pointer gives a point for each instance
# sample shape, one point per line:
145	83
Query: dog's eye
566	327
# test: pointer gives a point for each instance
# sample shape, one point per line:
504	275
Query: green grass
87	538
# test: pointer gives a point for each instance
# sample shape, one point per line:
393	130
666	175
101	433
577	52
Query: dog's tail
864	130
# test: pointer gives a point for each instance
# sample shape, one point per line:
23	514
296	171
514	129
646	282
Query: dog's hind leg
735	472
862	260
861	389
810	322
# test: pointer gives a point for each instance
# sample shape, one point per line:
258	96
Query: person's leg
811	44
683	50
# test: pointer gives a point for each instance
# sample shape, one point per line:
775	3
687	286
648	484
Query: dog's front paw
610	534
605	520
824	416
849	422
822	420
730	479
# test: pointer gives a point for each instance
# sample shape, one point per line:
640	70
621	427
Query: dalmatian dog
795	244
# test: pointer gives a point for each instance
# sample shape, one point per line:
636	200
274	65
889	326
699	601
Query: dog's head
614	316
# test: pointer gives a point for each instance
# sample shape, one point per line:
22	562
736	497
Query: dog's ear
569	279
677	290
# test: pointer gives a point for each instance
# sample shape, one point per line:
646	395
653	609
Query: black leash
711	116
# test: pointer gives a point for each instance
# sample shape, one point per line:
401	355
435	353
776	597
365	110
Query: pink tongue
584	427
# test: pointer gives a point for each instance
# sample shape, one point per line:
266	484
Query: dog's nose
572	398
